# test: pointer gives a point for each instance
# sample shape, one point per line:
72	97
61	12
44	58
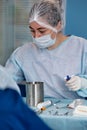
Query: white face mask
44	41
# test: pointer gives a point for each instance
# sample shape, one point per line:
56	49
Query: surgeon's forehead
35	25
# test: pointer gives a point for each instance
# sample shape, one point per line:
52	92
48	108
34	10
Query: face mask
44	41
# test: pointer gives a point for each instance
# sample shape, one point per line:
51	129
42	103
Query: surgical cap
47	13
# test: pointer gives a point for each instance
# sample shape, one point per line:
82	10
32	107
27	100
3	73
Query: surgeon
52	55
14	113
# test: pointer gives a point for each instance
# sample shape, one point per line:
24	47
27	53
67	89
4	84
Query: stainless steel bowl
34	93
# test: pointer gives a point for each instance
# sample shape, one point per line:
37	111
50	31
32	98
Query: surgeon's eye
42	31
32	31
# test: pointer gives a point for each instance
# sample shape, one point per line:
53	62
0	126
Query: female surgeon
52	55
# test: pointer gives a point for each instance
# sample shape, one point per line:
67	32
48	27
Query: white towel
80	110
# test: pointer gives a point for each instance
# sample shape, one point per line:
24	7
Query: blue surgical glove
75	83
6	81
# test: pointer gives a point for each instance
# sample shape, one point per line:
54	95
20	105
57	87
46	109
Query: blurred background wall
13	26
14	29
76	17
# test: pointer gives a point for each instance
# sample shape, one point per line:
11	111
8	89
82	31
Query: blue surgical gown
31	63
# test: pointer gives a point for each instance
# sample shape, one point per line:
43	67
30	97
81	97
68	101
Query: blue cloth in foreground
15	115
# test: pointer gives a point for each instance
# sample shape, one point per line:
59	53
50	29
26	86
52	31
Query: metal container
34	93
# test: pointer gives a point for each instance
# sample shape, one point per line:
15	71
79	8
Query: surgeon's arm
13	67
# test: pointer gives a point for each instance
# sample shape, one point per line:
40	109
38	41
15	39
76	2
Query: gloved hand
6	80
76	83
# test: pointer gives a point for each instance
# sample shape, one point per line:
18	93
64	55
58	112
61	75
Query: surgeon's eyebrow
40	28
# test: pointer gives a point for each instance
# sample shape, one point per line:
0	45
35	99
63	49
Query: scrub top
30	63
